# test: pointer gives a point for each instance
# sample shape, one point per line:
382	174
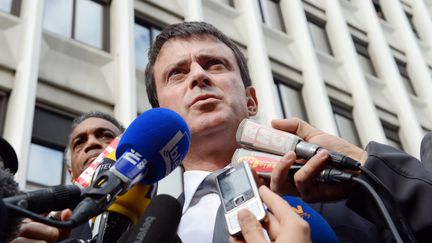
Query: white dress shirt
197	222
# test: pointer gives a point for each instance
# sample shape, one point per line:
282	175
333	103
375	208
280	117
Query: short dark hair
185	30
97	114
85	116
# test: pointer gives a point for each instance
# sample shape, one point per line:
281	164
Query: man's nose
199	77
92	143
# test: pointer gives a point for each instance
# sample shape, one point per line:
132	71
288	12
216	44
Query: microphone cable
337	176
345	162
386	192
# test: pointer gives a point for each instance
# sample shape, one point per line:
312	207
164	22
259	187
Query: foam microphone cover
321	231
162	137
9	220
159	222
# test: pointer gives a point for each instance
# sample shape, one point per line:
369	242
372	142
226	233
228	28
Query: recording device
256	136
237	190
152	146
262	163
159	223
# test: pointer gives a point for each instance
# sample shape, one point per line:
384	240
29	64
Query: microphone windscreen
159	222
321	232
162	137
9	221
8	157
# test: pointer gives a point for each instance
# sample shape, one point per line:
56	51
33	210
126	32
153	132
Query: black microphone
48	199
9	221
159	222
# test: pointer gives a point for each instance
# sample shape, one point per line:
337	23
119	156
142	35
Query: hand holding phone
237	190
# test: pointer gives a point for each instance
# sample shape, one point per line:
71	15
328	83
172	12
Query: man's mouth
204	97
90	159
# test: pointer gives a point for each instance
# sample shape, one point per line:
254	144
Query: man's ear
251	101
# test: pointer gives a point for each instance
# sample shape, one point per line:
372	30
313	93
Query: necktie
207	186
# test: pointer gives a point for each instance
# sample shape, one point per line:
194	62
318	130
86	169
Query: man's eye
176	74
107	135
215	64
77	144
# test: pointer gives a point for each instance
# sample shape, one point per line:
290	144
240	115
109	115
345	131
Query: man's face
200	79
88	140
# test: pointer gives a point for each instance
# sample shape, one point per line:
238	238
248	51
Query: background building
359	69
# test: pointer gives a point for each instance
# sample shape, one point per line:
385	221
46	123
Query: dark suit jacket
410	182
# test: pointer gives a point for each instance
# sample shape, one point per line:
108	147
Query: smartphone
237	190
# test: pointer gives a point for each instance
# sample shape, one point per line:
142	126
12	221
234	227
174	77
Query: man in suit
197	71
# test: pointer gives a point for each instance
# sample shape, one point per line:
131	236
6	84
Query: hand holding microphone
290	146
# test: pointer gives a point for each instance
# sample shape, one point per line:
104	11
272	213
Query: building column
21	104
417	68
193	11
257	56
122	49
388	72
314	91
364	112
423	21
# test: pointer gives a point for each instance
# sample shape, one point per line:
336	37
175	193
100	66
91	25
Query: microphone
102	162
321	231
126	209
152	146
159	222
262	163
48	199
9	220
8	157
253	135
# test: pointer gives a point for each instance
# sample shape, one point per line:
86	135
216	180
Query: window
318	33
345	123
10	6
363	55
82	20
144	35
3	106
392	134
378	10
402	66
46	167
291	100
271	14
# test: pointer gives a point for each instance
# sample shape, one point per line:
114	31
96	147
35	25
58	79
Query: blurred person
91	133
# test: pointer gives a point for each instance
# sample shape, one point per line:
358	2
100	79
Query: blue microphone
321	232
153	145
